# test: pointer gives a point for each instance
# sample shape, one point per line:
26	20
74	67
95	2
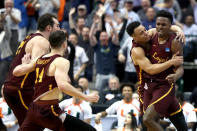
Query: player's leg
13	100
178	121
150	119
74	124
177	117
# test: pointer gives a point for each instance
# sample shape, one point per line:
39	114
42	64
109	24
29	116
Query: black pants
74	124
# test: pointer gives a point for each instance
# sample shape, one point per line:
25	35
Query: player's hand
180	37
26	58
93	97
177	60
171	78
98	118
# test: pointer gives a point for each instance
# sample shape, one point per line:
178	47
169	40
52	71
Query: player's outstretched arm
139	58
61	76
27	66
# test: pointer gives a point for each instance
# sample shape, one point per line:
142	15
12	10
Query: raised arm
115	36
56	4
139	58
81	69
61	76
92	36
71	21
193	3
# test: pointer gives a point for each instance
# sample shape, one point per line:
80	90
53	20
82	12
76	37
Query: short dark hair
45	20
131	85
57	38
131	27
166	14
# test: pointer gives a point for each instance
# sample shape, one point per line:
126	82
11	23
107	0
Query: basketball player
158	90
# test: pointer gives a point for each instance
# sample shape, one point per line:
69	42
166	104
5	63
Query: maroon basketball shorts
18	100
162	96
43	114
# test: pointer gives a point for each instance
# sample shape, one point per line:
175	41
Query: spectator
168	5
150	21
78	26
48	6
12	17
122	107
190	47
111	94
22	32
106	53
81	59
142	12
77	107
60	13
119	22
130	123
190	29
83	82
31	13
171	3
124	57
194	6
65	22
110	6
85	44
130	14
127	10
82	12
5	51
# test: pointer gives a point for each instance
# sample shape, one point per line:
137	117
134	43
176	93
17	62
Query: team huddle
38	74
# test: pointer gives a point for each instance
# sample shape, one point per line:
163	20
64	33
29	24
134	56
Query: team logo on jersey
145	86
167	49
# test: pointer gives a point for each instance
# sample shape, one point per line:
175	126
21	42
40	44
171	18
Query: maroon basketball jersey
25	81
161	53
44	83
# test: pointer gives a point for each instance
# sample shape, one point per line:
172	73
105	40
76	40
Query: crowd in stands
99	52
